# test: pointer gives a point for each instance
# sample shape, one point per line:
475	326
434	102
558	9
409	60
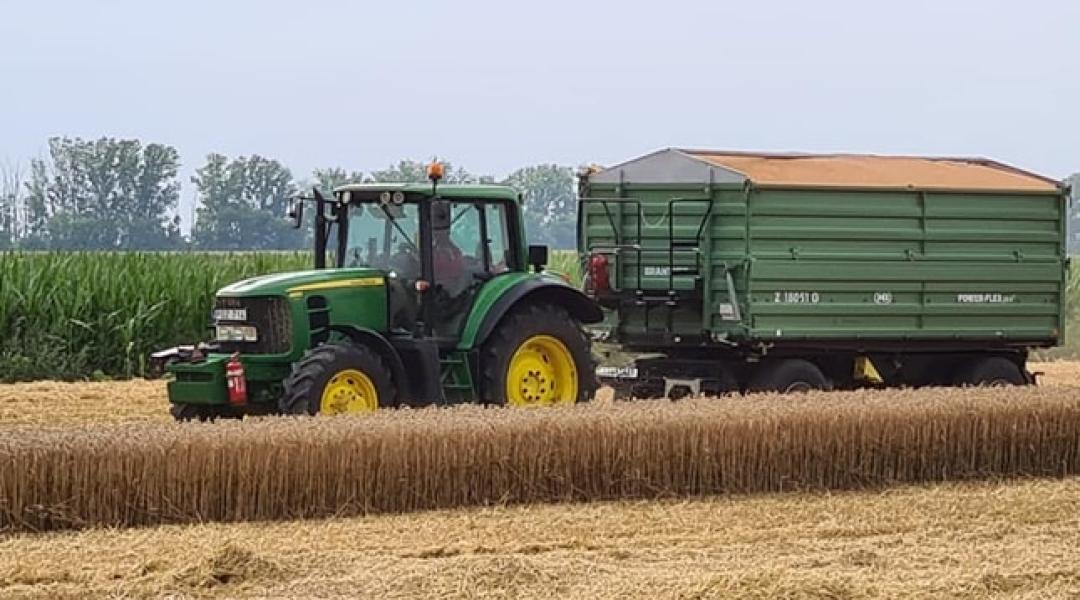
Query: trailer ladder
677	247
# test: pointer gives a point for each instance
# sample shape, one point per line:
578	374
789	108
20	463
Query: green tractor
421	294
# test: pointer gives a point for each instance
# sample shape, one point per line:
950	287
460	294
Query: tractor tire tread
297	397
536	319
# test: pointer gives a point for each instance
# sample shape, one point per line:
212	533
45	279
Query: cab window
498	246
462	250
457	249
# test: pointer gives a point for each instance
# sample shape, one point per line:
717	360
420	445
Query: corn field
77	315
406	460
99	314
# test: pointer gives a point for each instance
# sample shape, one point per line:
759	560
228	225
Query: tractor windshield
384	236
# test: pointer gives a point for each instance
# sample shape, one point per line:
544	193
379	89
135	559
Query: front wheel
336	379
538	356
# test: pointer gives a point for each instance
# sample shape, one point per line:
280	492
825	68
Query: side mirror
296	212
538	257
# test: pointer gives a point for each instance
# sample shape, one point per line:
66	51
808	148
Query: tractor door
470	245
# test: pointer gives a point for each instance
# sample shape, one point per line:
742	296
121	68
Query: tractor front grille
271	318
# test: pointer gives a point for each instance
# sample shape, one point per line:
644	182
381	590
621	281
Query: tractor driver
449	262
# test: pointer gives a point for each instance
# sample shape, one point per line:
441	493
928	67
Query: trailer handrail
708	201
617	233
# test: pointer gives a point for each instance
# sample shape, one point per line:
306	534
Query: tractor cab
437	247
420	294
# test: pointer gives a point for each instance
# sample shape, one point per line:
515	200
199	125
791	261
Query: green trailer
738	271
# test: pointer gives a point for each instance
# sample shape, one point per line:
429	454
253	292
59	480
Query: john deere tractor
420	294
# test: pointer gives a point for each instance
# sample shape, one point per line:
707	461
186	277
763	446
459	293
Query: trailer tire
556	344
787	376
990	371
345	376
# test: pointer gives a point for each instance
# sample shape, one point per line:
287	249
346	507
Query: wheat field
140	473
61	404
1015	538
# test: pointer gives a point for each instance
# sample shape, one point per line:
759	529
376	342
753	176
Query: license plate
617	372
237	333
230	314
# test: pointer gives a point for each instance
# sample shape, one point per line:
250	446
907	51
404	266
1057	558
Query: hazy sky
496	85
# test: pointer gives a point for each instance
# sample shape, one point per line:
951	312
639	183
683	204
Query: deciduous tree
103	194
549	207
243	204
329	179
414	171
11	205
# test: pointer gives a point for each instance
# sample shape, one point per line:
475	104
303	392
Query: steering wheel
406	262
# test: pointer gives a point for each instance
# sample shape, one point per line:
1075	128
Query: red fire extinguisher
235	380
599	281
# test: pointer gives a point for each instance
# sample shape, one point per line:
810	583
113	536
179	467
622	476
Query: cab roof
449	190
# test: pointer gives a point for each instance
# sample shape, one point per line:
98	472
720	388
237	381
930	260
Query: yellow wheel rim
541	373
349	391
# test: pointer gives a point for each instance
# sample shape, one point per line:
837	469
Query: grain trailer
757	271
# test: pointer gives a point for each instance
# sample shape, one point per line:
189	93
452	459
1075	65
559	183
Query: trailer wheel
990	371
337	378
538	356
787	376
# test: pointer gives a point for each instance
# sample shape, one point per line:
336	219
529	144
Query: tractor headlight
237	333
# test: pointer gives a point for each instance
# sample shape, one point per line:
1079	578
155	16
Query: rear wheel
337	379
787	376
539	356
991	371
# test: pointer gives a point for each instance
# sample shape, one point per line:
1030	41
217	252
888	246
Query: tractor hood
298	282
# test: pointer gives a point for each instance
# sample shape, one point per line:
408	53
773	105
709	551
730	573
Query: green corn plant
71	315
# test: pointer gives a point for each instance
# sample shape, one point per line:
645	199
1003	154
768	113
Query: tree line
122	194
